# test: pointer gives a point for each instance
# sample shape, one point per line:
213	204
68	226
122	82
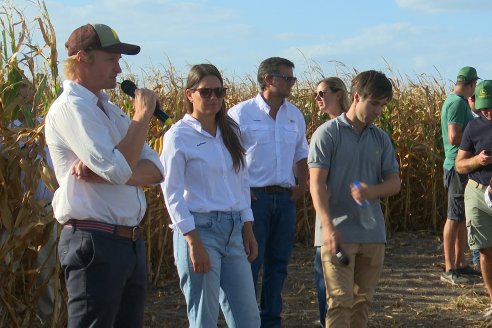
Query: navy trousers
106	278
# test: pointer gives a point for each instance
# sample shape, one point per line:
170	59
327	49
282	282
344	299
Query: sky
321	37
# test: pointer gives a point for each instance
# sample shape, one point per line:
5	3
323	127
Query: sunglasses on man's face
207	92
290	79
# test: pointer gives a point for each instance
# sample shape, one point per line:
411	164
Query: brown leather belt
133	233
271	189
477	185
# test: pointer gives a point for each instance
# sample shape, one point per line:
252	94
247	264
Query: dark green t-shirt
454	110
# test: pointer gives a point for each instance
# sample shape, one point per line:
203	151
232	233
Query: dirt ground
409	293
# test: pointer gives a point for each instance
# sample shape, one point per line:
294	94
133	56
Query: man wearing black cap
101	162
455	116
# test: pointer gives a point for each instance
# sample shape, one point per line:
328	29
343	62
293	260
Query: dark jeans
106	278
319	281
476	257
274	229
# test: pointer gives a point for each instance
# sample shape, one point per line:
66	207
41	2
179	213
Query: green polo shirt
457	111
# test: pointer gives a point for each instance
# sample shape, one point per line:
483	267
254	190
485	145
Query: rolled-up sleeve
149	154
78	125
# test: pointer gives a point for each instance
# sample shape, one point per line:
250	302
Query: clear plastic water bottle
367	219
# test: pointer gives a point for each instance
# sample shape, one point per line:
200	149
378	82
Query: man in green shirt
455	115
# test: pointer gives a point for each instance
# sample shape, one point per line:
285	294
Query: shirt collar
197	126
342	119
263	105
83	92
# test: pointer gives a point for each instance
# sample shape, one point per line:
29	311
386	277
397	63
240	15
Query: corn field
29	83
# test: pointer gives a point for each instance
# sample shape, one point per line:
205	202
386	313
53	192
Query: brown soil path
409	293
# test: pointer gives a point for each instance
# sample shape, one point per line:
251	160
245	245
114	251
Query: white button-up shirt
199	176
272	146
77	129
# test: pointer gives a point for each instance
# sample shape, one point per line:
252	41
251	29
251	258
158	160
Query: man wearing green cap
101	162
474	158
455	116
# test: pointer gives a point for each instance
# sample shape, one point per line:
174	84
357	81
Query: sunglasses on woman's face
322	93
207	92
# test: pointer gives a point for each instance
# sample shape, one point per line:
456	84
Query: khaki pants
350	289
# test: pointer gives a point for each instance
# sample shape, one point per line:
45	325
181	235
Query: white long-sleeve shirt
77	129
199	176
272	146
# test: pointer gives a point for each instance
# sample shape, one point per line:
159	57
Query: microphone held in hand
128	87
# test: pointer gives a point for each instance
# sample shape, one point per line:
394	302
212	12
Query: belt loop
74	225
134	233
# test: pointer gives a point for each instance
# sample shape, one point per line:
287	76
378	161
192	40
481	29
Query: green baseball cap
483	95
98	37
467	74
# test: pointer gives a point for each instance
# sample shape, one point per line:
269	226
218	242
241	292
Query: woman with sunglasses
207	194
331	98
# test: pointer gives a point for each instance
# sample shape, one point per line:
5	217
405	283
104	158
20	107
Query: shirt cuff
184	226
157	163
247	215
121	172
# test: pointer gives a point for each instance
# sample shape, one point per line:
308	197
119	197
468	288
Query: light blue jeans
228	284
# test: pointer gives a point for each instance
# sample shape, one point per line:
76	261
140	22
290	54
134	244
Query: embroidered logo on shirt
201	143
256	120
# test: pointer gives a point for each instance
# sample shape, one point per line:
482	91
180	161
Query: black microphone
128	87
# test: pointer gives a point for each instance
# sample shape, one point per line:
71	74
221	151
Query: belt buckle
135	233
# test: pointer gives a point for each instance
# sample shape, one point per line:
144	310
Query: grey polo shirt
348	156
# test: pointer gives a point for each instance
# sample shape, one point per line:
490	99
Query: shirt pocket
290	133
257	134
203	221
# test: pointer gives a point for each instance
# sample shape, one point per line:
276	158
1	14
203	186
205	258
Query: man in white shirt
101	162
273	132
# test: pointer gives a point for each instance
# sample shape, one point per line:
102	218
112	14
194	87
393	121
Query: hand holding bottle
367	219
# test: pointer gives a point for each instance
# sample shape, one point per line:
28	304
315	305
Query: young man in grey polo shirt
342	151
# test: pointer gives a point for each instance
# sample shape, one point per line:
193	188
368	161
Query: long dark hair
229	128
